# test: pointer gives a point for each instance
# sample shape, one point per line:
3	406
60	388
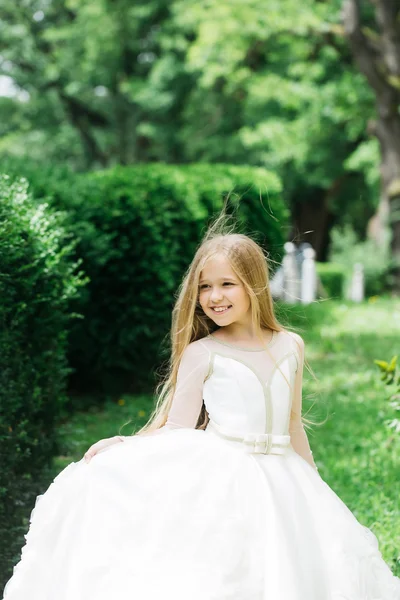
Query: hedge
38	279
138	228
332	277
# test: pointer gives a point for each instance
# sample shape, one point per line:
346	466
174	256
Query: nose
216	294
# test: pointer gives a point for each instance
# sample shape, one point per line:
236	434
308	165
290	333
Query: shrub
390	374
138	228
332	278
37	282
347	250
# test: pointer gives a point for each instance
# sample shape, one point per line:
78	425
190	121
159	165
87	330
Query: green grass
357	454
123	417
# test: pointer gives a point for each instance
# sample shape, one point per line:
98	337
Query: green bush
332	278
138	228
37	282
347	250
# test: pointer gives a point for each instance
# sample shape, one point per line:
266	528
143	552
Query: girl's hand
101	445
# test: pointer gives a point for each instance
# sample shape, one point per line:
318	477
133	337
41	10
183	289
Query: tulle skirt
186	515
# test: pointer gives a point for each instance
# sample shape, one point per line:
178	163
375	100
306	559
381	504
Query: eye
203	286
228	283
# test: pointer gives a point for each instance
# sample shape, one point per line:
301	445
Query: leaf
382	364
393	363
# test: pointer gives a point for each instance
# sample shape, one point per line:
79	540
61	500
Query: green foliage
138	229
332	277
268	84
366	158
347	250
38	279
276	88
390	374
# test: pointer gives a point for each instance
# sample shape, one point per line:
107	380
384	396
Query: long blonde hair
190	323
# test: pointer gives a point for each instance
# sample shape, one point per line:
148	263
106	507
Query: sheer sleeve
297	432
188	397
187	401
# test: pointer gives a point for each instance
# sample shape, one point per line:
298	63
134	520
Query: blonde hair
190	323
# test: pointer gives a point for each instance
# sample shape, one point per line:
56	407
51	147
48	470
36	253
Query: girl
218	496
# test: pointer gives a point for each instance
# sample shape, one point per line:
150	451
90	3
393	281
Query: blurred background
124	125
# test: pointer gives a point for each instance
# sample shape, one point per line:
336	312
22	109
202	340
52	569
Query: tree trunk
378	58
81	118
388	133
312	222
313	218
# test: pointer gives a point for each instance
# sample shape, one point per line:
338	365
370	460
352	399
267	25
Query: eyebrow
221	279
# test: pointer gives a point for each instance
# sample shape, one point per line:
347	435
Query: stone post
291	287
356	288
308	277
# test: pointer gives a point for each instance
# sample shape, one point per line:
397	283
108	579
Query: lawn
357	454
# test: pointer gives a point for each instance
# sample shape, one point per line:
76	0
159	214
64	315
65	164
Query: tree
86	68
374	39
276	87
267	84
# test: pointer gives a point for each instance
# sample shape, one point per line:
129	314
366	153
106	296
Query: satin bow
259	443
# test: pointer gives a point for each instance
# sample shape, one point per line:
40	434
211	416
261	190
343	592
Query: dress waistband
255	443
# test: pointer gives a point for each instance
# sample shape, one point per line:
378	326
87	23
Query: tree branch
95	118
387	16
362	50
80	120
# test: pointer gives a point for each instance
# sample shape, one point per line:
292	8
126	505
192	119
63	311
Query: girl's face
222	295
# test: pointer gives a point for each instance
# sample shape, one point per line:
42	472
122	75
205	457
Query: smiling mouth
219	310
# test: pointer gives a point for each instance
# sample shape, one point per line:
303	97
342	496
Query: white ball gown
229	513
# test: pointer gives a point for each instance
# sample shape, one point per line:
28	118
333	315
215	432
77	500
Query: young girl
218	496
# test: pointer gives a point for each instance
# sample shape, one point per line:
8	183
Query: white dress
230	513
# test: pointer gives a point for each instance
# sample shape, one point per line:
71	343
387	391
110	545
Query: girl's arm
299	439
188	396
187	401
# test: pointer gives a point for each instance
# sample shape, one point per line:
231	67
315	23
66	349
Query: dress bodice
251	390
243	390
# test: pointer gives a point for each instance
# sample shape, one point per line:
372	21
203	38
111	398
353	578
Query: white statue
291	287
356	288
308	276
